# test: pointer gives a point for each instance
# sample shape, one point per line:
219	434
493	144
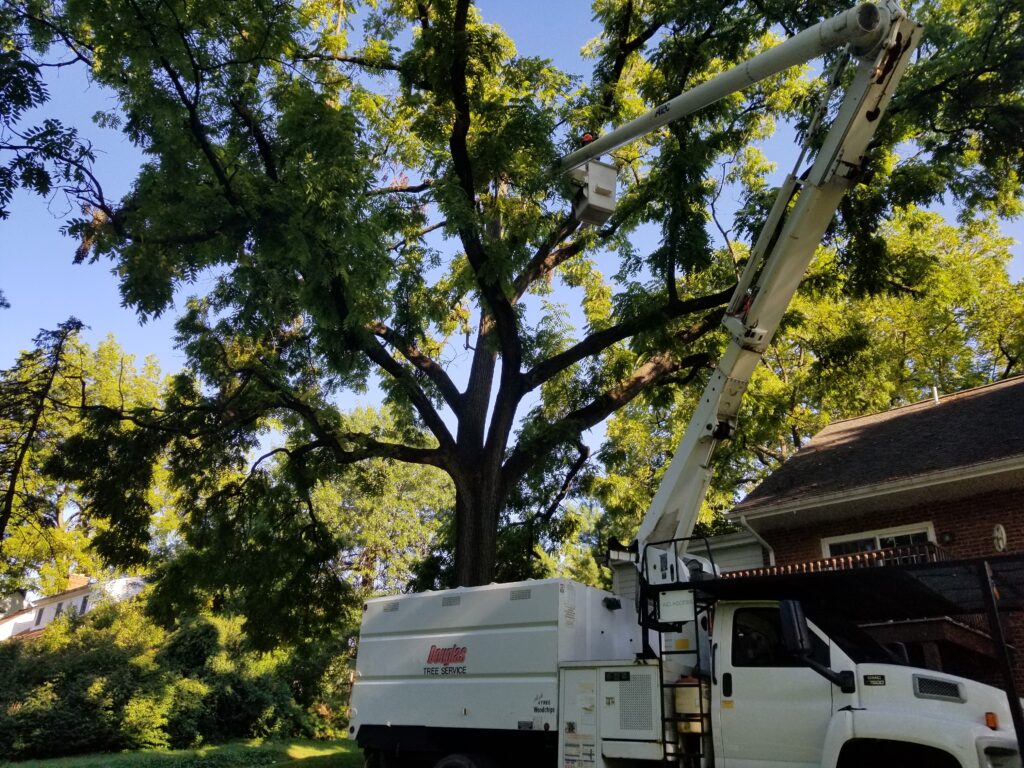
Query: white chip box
482	657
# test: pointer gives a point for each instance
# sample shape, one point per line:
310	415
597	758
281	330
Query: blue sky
45	288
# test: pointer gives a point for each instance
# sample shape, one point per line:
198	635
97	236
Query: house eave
69	594
1002	473
727	541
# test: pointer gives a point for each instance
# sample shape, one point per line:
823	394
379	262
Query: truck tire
464	761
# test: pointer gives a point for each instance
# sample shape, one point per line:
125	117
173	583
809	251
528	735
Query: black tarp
886	593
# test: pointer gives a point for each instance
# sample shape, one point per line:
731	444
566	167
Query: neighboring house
934	480
82	595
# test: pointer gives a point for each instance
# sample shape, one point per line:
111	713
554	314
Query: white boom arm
862	28
881	38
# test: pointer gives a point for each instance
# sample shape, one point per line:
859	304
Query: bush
114	680
188	713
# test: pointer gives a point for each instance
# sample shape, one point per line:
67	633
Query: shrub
114	680
189	715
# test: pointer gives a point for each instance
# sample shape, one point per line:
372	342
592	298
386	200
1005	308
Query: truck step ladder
686	734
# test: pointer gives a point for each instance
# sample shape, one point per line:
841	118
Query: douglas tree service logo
446	661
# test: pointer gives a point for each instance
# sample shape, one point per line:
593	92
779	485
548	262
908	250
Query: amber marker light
992	720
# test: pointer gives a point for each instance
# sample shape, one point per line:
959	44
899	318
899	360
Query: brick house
939	479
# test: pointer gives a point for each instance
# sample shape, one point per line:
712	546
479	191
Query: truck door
772	711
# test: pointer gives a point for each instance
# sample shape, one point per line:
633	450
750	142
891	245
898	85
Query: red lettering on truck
456	654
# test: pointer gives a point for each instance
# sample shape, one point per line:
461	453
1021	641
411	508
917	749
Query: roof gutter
891	487
760	540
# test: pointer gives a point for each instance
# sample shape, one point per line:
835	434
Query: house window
85	602
39	616
873	541
59	611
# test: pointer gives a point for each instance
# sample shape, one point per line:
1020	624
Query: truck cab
773	708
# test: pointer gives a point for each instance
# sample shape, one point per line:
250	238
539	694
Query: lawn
293	753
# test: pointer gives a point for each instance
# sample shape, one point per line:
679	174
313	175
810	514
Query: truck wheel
464	761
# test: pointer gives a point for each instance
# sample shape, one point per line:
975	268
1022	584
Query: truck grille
450	600
520	594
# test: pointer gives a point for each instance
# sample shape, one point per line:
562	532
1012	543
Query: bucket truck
555	673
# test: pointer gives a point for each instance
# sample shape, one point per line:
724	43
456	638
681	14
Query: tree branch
423	363
625	50
418	235
603	339
373	350
570	476
544	260
191	107
360	61
379	355
366	447
407	189
262	143
497	303
291	453
575	422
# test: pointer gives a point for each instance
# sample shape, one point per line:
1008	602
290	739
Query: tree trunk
477	505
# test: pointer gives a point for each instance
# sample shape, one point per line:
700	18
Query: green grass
294	754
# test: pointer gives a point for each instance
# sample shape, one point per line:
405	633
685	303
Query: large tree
370	195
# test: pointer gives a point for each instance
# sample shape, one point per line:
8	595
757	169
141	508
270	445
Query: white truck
678	665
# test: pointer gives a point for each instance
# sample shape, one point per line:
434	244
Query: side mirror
796	635
797	641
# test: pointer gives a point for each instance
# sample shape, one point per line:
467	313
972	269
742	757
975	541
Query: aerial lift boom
880	39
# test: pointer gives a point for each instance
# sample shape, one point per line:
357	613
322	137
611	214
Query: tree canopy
367	194
47	525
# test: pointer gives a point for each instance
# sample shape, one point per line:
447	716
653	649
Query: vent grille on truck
520	594
450	600
635	711
390	608
935	688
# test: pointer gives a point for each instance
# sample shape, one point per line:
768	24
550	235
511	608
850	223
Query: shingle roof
968	428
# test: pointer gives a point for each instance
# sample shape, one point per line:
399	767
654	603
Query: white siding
735	551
